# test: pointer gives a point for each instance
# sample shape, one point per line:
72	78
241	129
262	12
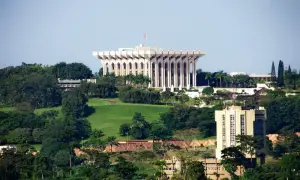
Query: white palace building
166	68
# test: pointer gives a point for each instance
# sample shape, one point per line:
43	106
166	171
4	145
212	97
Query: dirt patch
111	102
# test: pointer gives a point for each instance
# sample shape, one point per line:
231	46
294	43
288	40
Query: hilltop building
233	121
165	68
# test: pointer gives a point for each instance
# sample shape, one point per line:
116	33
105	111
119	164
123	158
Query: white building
165	68
8	147
259	77
233	121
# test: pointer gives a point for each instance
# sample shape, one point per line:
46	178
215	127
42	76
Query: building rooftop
142	51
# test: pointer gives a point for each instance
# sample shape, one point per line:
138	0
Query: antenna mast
145	37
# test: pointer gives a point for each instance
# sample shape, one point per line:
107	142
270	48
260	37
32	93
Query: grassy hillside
111	113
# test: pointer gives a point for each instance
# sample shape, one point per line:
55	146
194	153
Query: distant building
258	77
212	168
72	83
7	147
233	121
165	68
262	77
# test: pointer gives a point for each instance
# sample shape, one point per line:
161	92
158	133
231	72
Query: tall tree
208	77
280	80
74	104
195	171
273	73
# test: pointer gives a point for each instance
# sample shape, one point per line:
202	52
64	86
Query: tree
280	78
290	166
140	128
124	169
231	159
124	129
160	131
208	91
26	84
100	72
97	133
71	71
247	144
15	165
166	96
220	76
161	164
182	97
195	171
74	104
208	77
112	141
273	74
20	135
61	158
197	101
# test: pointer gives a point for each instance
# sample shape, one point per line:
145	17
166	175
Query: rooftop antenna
145	37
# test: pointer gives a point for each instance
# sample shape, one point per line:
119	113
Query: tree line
177	118
285	77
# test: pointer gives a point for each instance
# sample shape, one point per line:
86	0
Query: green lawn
111	113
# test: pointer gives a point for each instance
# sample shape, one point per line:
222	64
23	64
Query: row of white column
176	74
160	71
126	68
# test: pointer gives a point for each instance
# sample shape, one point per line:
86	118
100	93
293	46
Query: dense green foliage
29	83
280	77
181	117
283	115
74	104
130	94
71	71
285	78
208	91
195	171
141	129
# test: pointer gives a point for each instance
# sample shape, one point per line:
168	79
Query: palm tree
220	76
227	79
112	140
208	77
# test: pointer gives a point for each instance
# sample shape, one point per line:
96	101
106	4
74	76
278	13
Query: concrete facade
233	121
165	68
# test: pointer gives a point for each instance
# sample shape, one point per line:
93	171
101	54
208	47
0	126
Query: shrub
208	91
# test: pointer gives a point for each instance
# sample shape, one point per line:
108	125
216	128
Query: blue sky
236	35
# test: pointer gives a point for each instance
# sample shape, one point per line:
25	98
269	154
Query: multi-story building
233	121
165	68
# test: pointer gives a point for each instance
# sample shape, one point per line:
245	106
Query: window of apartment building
232	130
223	131
243	125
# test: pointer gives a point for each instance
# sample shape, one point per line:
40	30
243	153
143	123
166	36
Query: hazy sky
236	35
